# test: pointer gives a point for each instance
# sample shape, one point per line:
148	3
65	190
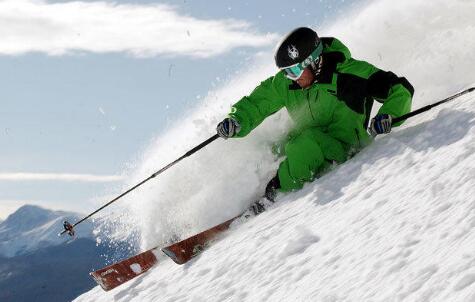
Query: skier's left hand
228	128
381	123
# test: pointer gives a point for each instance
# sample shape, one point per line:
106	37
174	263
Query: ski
183	251
120	272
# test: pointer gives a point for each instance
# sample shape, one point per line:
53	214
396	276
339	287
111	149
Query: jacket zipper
308	102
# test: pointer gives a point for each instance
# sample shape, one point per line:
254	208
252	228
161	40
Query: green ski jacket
338	103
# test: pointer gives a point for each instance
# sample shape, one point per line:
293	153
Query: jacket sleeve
265	100
395	93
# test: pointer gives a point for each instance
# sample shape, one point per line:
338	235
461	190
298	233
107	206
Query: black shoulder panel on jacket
352	90
407	85
333	58
381	82
330	60
327	41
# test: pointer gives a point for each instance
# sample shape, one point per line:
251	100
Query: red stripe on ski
181	252
118	273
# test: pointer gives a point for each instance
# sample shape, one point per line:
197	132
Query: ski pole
69	228
428	107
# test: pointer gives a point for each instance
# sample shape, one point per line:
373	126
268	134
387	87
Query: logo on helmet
293	52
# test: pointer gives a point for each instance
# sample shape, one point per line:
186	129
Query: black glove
381	123
228	128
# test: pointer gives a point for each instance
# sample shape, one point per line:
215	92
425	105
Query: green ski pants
308	154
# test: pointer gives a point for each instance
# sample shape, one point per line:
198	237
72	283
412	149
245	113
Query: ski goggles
294	72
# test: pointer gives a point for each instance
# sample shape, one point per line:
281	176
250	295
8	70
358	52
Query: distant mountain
55	273
38	265
33	227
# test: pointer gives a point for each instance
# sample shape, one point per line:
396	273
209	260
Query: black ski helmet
296	47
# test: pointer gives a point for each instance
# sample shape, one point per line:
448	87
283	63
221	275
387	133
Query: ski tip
120	272
100	282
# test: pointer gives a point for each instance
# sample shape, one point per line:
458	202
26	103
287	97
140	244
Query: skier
329	96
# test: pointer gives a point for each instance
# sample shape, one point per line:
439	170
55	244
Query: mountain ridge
32	227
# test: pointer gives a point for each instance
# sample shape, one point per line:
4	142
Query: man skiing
329	96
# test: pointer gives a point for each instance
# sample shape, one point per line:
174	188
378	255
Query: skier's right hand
381	123
228	128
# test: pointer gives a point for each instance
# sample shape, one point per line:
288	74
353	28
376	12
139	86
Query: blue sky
87	85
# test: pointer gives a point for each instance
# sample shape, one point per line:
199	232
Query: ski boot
269	196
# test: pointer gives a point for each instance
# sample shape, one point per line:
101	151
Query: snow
395	223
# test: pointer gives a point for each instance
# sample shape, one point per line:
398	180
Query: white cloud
101	27
58	177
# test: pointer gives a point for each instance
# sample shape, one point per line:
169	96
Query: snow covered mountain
37	265
395	223
32	227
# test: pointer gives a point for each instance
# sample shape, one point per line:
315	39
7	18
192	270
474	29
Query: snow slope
395	223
